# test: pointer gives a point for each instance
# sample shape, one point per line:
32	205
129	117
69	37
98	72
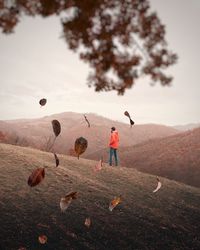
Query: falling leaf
80	145
42	102
132	122
87	121
99	165
57	160
126	113
87	222
114	203
56	127
66	201
42	239
159	185
36	177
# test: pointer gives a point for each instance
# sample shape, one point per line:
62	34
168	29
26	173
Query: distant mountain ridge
187	126
36	132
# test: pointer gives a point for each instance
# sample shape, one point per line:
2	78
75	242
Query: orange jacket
114	140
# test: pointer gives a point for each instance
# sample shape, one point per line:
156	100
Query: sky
36	63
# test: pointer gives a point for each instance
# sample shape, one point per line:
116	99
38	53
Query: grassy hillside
176	157
168	219
36	132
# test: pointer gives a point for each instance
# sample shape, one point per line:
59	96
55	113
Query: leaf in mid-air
114	203
57	160
36	177
65	201
80	145
88	123
88	222
42	101
159	185
56	127
42	239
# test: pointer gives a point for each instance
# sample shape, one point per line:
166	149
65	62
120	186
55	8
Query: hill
168	219
176	157
37	132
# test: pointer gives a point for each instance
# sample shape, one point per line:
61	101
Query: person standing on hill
114	143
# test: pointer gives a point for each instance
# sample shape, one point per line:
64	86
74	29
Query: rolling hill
168	219
36	132
176	157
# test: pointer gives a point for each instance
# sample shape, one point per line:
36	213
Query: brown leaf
66	201
87	121
80	145
132	122
126	113
36	177
56	127
114	203
43	101
42	239
57	160
88	222
99	165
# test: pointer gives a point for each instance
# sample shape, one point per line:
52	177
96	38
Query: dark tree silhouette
122	40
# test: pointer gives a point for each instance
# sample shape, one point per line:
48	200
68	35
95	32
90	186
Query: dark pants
113	151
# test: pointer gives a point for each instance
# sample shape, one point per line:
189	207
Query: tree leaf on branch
121	40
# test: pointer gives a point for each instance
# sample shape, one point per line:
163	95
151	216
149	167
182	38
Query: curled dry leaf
66	201
114	203
132	122
57	160
99	165
36	177
42	239
87	121
159	185
42	102
80	145
56	127
126	113
88	222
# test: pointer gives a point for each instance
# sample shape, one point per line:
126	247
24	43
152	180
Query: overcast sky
35	63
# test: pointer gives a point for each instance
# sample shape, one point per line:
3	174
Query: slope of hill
176	157
36	132
168	219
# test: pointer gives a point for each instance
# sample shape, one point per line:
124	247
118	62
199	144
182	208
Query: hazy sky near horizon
35	63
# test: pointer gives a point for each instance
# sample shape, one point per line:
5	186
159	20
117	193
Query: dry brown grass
168	219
